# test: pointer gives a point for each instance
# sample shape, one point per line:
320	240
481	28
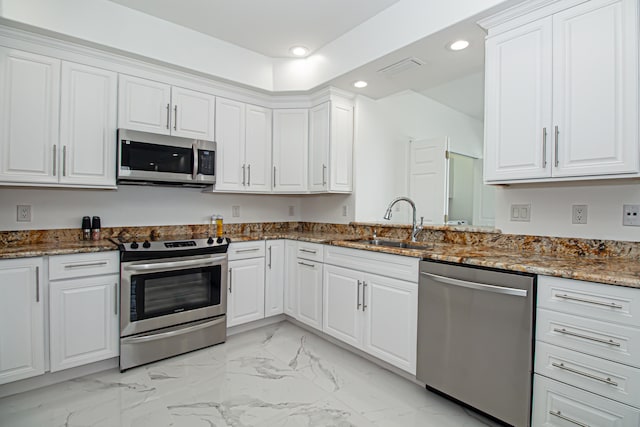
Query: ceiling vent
401	66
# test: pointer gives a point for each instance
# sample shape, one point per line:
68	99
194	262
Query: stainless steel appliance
172	297
147	158
475	338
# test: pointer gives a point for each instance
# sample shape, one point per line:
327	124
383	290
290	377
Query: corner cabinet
274	277
21	319
245	287
562	94
290	150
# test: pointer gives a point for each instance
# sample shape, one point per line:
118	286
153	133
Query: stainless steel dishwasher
475	338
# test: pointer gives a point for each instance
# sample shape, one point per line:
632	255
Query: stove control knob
146	244
134	245
210	241
219	240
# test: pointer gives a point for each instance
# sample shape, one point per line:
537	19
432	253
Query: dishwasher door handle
476	286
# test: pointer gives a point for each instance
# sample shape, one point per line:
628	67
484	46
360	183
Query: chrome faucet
416	228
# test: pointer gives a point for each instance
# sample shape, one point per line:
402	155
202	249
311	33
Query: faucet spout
415	228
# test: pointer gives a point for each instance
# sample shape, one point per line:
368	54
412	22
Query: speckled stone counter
604	261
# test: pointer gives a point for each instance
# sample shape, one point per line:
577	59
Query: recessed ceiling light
459	45
360	84
299	50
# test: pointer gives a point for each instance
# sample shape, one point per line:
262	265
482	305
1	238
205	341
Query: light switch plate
235	211
520	212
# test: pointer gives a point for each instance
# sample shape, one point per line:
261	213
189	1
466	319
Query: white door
290	140
144	105
274	278
246	291
193	114
84	321
21	319
258	148
341	166
428	178
230	136
595	88
391	325
518	127
291	278
310	293
29	107
342	304
319	139
88	108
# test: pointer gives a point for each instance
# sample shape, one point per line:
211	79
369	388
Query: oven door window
168	292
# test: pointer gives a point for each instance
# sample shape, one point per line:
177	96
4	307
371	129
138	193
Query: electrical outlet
521	213
292	210
579	214
631	215
24	213
235	211
345	210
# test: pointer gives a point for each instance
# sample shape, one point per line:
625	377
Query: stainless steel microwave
147	158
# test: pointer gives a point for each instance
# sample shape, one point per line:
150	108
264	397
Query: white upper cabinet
290	150
29	117
151	106
243	137
562	95
319	139
88	125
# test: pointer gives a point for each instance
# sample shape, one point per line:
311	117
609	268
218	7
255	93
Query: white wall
551	209
137	206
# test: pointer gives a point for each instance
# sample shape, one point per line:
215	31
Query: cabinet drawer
245	250
609	379
603	302
310	251
396	266
83	265
613	342
558	404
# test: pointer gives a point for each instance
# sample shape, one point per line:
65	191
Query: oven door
161	293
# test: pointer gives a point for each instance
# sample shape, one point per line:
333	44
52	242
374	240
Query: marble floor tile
278	375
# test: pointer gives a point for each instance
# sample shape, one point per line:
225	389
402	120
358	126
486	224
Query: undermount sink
395	244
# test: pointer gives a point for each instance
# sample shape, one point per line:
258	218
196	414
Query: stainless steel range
172	298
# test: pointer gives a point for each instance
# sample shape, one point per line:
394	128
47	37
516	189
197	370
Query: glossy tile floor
278	375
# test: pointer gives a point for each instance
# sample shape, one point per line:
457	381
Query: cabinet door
290	139
29	108
193	114
341	166
310	293
246	291
258	148
342	304
391	312
518	127
319	139
291	278
595	88
144	105
84	321
88	125
21	319
230	136
274	278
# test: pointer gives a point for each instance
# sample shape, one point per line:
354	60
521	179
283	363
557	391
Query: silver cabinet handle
168	115
247	250
175	117
249	175
230	280
274	177
308	265
587	337
588	301
571	420
364	293
584	374
180	331
115	298
324	179
37	284
477	286
89	264
64	160
269	257
556	132
358	305
55	159
243	175
544	147
309	251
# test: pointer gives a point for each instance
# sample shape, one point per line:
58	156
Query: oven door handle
175	332
175	264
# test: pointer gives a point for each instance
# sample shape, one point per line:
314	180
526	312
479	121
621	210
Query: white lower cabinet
309	278
21	319
274	278
290	279
245	297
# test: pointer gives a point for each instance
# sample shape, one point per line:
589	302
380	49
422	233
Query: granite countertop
611	270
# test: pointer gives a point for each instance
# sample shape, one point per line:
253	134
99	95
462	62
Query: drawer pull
587	337
588	301
309	251
90	264
571	420
247	250
585	374
308	265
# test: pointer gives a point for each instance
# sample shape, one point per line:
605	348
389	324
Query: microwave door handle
195	161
